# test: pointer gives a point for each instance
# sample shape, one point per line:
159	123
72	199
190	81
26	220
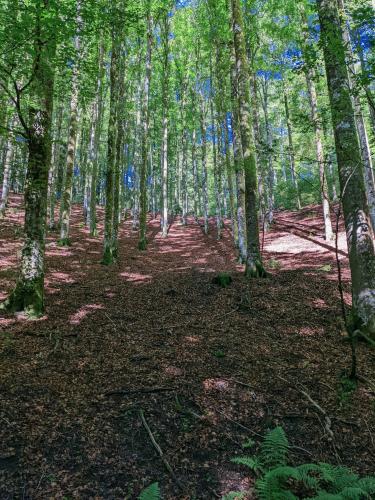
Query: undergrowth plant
152	492
279	481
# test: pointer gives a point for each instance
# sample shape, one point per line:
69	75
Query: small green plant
274	264
8	344
223	280
279	481
325	269
152	492
219	354
346	389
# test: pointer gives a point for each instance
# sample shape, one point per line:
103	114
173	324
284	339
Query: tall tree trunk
109	251
95	151
204	164
28	295
359	119
66	201
254	266
142	244
165	106
356	213
52	178
231	188
8	164
238	161
310	76
292	157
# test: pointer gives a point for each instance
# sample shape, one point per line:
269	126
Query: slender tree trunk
310	75
111	178
165	105
142	244
95	151
195	174
8	164
66	201
356	213
238	160
52	178
254	266
204	165
291	150
231	188
359	119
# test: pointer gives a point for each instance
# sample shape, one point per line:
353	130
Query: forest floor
209	367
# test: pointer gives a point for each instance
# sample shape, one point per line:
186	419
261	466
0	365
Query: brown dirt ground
156	320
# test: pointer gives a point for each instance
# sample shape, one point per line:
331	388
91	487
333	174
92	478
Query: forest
187	249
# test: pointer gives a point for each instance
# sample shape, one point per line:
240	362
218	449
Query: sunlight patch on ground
215	384
136	277
82	313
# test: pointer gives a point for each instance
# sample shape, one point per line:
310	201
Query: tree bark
254	265
28	295
356	213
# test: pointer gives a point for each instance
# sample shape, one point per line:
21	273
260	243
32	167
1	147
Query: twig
292	447
159	450
239	383
149	390
302	390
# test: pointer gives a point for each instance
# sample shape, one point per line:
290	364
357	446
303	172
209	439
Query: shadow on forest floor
72	383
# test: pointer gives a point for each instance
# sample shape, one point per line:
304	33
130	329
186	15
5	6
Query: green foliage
219	354
274	264
152	492
223	280
280	481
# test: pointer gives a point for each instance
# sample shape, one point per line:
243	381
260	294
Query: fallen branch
159	450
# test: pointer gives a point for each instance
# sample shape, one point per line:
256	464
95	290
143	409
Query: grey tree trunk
8	164
310	76
66	201
142	244
254	265
28	295
356	213
291	150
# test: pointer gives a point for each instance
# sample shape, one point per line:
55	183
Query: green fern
274	449
152	492
321	481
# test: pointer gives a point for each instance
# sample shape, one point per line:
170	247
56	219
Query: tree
356	213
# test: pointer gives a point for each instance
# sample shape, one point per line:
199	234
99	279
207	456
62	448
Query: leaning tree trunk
356	213
28	295
254	266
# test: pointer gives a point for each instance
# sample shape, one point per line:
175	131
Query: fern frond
235	495
274	483
274	449
367	484
305	475
152	492
338	477
251	462
324	495
354	493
